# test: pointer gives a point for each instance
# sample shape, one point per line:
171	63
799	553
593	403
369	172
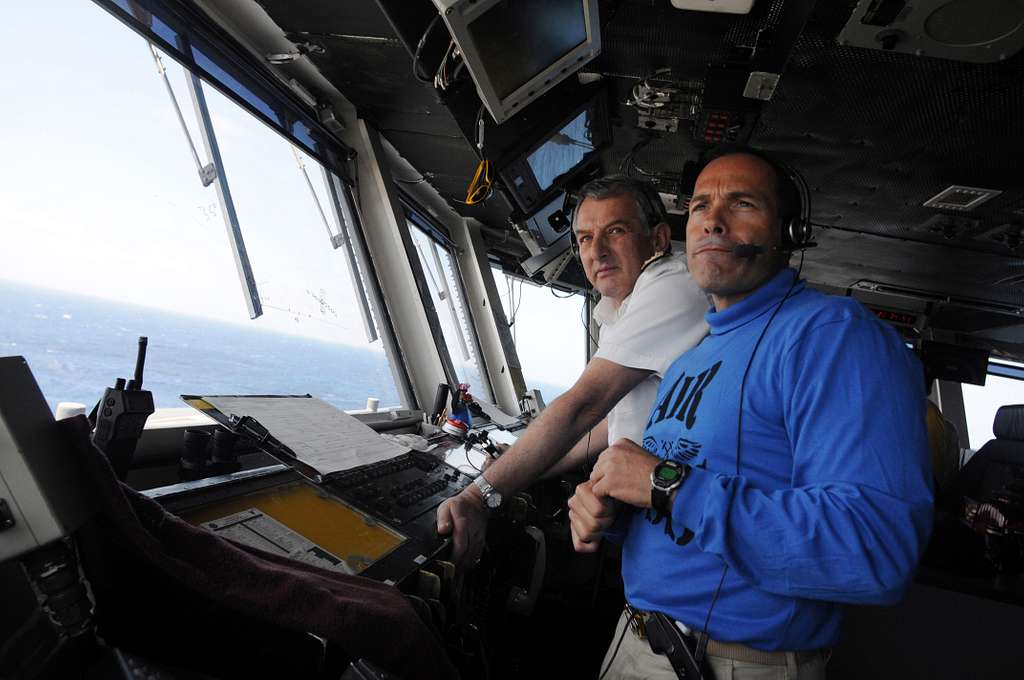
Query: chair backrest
998	462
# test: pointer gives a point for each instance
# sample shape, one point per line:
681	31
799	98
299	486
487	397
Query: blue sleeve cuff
691	497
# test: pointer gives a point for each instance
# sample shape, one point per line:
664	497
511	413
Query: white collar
605	312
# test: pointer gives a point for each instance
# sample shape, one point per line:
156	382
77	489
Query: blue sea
76	346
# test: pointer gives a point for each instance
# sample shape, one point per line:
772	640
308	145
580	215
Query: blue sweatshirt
830	497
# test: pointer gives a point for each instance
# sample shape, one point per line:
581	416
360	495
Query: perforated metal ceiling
876	134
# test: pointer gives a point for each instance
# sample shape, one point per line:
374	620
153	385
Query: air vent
961	198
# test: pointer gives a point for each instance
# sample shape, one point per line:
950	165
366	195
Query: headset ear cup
787	241
795	233
801	232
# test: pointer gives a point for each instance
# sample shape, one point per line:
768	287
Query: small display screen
563	151
518	39
900	318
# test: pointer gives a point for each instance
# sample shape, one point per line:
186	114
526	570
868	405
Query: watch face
493	500
666	474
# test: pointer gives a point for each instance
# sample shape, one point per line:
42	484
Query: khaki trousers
635	661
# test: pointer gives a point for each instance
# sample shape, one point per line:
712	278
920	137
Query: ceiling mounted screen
516	41
516	50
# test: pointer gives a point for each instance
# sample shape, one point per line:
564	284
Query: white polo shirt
662	318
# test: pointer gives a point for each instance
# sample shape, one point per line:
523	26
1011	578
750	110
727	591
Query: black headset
650	204
796	229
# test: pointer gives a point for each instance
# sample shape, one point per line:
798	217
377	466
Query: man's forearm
544	443
562	424
585	452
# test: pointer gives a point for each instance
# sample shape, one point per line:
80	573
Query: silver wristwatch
492	497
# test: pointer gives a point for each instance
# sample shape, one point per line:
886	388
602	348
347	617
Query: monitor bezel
459	14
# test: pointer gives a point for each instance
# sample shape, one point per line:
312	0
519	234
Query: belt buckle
637	622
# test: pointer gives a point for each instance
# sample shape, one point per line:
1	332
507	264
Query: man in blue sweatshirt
784	469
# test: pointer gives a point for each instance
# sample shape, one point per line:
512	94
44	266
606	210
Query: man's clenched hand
464	517
624	472
589	516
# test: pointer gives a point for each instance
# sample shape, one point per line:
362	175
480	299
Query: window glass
982	402
446	291
108	234
548	331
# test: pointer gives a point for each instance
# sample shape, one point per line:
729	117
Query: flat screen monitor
516	50
563	151
534	177
943	361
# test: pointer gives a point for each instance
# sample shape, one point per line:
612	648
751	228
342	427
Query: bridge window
109	234
549	334
446	293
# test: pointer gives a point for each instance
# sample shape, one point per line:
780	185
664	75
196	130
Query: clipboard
302	431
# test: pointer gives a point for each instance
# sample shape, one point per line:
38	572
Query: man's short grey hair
644	195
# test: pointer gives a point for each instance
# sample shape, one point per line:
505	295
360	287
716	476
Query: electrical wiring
628	161
441	81
416	70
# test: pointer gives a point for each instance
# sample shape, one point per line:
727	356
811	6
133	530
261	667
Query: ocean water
76	346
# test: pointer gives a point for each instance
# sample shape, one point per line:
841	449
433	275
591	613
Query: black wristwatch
666	477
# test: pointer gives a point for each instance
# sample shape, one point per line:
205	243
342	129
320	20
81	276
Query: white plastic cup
372	403
69	409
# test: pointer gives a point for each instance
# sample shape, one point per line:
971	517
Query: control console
400	489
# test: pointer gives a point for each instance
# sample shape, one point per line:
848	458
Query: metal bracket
655	123
761	85
208	174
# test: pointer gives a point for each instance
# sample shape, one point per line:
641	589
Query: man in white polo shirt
650	312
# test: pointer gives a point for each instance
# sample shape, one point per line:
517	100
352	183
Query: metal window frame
390	256
376	298
196	33
1004	371
437	235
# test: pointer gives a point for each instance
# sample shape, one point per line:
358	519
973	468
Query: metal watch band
492	497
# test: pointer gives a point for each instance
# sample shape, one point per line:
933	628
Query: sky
100	194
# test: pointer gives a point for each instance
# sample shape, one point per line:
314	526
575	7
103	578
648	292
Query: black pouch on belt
665	638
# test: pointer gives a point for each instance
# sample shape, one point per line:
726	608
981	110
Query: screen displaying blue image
563	151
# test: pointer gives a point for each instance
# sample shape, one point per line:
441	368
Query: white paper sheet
321	436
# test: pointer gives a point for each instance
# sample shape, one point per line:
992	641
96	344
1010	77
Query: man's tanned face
735	201
614	243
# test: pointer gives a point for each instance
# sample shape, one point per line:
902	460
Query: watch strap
661	494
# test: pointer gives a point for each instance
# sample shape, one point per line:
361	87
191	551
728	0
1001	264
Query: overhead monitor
516	50
536	175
